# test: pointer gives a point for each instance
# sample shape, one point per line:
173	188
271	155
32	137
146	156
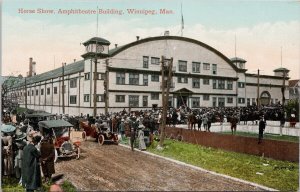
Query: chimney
33	68
116	45
137	38
30	67
74	60
167	33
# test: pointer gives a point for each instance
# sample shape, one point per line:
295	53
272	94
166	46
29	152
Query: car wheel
100	139
84	138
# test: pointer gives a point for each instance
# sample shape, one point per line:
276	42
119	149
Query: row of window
42	91
182	65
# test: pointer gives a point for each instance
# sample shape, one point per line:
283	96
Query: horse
192	120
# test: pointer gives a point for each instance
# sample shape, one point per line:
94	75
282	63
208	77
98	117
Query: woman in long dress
141	137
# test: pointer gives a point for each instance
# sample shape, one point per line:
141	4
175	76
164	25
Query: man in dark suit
261	128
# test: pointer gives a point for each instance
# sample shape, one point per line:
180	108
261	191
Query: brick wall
279	150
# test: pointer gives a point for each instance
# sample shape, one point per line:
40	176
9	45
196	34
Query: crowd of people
27	156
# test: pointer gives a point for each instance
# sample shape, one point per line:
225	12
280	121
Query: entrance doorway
182	101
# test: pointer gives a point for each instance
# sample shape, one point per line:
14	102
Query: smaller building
294	86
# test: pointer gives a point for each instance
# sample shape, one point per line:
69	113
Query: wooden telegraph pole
166	84
25	92
63	88
95	88
283	87
106	83
258	99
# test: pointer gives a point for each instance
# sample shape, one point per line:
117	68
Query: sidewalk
272	127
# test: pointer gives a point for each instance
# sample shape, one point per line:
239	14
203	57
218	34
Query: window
214	69
73	83
229	84
133	100
86	76
64	89
206	97
120	78
145	101
155	61
254	101
229	100
133	78
120	98
42	91
195	102
182	80
196	67
55	90
86	97
32	92
241	100
154	96
48	91
73	99
205	81
145	79
221	102
28	93
101	76
100	98
214	83
196	83
214	101
155	78
182	66
206	66
241	85
145	62
248	101
221	84
36	92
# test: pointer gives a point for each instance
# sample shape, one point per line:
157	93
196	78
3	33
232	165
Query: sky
264	33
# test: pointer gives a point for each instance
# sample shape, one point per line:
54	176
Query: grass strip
281	175
266	136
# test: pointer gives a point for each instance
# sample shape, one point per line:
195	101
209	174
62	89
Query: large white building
202	77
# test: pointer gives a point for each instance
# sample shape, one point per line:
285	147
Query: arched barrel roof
117	50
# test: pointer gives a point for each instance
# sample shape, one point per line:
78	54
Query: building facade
130	76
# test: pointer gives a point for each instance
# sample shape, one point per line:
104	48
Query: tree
9	99
291	105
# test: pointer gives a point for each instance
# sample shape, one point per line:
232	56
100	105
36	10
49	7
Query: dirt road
114	168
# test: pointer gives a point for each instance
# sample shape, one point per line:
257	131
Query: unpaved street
112	167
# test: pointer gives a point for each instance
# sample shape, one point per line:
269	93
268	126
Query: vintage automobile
35	117
101	134
60	131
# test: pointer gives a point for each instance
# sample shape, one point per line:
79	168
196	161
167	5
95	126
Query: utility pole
63	88
25	93
106	83
166	84
258	100
283	87
95	88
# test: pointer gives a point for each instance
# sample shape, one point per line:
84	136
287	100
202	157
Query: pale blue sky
222	14
261	28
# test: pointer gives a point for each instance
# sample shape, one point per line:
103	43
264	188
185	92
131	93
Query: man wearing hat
20	143
261	128
31	173
47	157
122	128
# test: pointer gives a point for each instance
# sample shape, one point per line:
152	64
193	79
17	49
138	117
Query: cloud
51	44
